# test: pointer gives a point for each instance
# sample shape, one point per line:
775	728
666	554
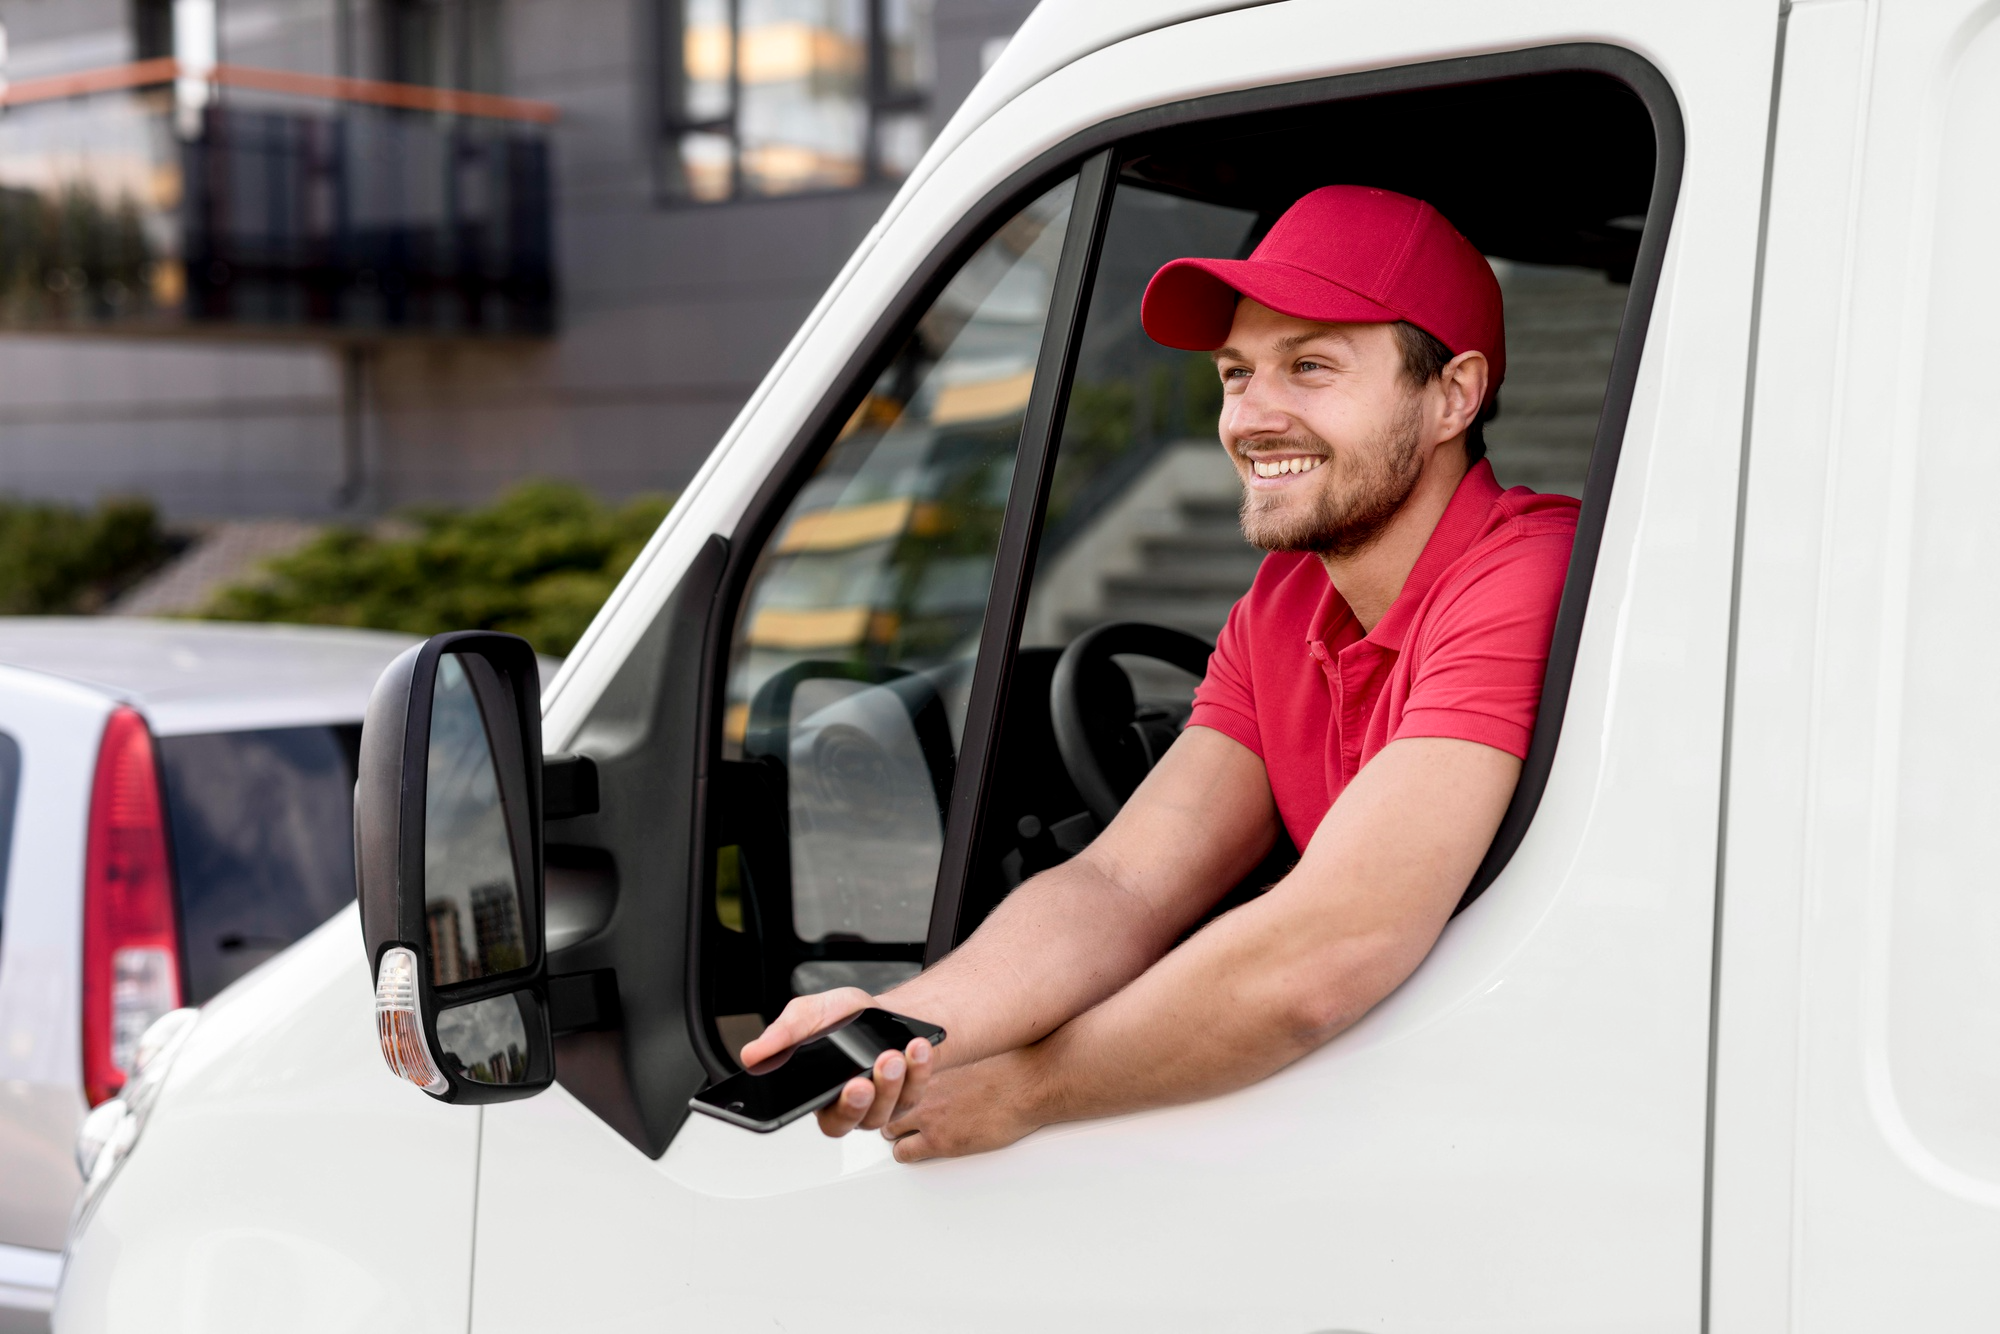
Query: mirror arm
569	787
579	1002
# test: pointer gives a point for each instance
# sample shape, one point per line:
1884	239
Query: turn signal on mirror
399	1026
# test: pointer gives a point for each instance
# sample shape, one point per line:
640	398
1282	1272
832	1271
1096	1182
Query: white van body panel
1531	1104
285	1179
1858	1095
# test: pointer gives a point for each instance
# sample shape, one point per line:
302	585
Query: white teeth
1284	467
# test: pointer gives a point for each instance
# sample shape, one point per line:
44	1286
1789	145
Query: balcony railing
138	198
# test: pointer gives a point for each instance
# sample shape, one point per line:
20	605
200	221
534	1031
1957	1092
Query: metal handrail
327	87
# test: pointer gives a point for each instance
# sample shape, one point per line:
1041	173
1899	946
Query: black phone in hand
810	1075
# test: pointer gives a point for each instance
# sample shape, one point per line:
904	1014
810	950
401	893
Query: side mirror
448	810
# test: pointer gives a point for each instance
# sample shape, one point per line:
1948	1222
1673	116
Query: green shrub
538	563
55	559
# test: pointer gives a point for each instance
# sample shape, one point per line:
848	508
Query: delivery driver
1373	693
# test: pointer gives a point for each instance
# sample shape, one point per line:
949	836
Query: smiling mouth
1284	467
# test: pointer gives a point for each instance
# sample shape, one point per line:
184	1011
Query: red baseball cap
1344	254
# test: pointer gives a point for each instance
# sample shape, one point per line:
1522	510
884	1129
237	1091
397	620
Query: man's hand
867	1101
986	1105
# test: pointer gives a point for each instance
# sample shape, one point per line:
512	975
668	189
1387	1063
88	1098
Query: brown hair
1424	359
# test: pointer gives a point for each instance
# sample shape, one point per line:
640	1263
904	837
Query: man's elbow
1331	990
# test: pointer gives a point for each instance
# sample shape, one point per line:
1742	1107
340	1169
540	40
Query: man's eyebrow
1289	343
1292	342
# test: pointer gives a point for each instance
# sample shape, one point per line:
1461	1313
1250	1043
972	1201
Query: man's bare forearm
1240	1001
1073	935
1056	946
1276	979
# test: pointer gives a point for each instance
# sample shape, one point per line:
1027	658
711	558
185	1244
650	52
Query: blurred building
306	257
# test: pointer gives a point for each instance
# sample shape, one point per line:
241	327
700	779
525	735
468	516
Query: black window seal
1020	535
979	222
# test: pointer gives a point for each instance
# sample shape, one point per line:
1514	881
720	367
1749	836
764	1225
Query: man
1373	694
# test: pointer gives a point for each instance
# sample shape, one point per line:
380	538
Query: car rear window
263	831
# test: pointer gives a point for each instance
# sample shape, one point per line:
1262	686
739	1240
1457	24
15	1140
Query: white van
1715	1043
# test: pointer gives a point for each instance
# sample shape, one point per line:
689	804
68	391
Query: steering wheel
1108	743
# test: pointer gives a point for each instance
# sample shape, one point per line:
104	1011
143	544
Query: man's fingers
920	1064
845	1112
803	1017
913	1148
890	1069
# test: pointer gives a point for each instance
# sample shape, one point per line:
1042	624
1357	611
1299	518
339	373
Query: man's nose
1255	412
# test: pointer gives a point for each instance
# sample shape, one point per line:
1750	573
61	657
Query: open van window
830	829
1140	523
855	643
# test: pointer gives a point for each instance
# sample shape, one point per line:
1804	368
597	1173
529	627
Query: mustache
1290	444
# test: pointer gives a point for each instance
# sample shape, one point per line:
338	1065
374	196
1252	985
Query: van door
1518	1135
1858	1094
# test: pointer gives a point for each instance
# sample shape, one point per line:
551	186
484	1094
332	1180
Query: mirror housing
467	1025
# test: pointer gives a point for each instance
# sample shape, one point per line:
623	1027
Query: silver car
175	808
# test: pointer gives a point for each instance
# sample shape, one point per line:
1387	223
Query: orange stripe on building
325	87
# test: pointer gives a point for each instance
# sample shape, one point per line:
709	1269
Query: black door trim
1020	530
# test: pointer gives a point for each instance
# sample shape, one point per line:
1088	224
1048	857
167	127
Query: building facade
314	258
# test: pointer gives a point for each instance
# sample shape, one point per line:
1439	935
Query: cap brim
1191	303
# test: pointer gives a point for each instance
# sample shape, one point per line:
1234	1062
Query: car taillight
131	945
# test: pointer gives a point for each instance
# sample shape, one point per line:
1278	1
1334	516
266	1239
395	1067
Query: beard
1349	509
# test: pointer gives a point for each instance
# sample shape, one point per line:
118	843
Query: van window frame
1092	155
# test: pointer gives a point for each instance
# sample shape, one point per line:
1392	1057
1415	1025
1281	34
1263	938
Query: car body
251	731
1712	1050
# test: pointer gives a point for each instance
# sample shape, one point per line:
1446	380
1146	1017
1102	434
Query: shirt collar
1463	520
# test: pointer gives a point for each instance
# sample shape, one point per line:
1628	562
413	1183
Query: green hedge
538	563
56	560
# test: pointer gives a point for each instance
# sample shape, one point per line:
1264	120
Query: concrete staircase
1562	326
1188	577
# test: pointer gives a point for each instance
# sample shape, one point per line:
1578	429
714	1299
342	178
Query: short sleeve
1485	646
1226	699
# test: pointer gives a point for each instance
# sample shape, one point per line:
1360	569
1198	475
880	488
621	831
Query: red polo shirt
1459	654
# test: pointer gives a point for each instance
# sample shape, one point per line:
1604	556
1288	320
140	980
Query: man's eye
1236	373
1310	365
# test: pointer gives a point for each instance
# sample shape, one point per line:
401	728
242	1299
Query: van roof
1059	33
193	676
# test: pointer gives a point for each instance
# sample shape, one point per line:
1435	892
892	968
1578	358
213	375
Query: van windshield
263	838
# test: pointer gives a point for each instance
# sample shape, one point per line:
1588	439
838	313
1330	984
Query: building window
442	43
152	29
778	97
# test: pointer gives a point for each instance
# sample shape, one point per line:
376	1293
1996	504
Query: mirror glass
486	1041
472	898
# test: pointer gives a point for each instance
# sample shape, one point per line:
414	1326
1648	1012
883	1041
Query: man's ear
1463	382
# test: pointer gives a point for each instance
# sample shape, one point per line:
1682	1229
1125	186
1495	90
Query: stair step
1217	538
1203	619
1176	588
1195	565
1210	509
1209	537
